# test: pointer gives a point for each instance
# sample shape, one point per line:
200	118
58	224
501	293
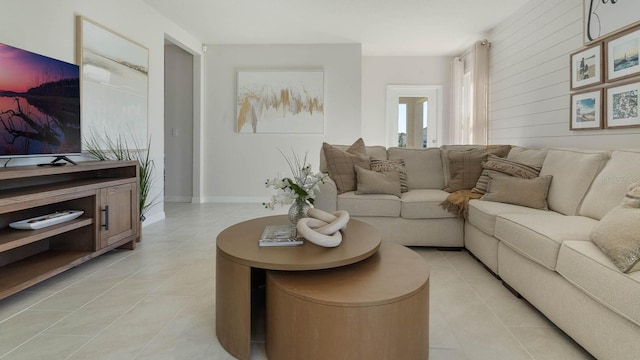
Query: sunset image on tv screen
39	104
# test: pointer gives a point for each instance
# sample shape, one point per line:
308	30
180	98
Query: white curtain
480	93
457	121
470	96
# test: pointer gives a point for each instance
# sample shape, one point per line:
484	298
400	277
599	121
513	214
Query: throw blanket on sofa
458	202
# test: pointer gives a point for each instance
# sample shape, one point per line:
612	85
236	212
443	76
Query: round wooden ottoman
377	308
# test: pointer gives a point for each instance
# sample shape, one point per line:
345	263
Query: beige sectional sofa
546	256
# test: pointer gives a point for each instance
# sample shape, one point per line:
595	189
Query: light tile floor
158	302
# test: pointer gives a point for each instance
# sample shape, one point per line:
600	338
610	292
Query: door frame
395	92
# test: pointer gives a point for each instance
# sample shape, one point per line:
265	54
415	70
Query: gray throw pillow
524	192
374	182
618	233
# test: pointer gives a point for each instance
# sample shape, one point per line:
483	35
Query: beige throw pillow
465	168
340	164
374	182
497	165
390	165
618	233
524	192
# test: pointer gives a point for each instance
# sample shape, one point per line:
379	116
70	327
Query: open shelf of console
106	191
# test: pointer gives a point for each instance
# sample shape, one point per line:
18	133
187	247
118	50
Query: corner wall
237	165
529	87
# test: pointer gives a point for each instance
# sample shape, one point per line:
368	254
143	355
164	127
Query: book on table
279	235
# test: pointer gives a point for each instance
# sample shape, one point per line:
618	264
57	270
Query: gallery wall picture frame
115	86
586	110
622	54
280	101
586	66
603	18
622	106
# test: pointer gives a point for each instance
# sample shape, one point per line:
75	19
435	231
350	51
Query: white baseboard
231	199
177	199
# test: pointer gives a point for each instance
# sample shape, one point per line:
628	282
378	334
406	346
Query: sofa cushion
513	190
388	165
611	184
573	172
369	205
374	182
424	167
424	204
585	266
340	164
527	156
482	214
539	236
618	233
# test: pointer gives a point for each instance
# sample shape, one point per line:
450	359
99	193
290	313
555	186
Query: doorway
178	124
414	116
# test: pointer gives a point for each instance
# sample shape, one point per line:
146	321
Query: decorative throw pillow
340	164
389	165
497	165
465	166
618	233
374	182
525	192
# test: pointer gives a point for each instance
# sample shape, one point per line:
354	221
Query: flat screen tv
39	105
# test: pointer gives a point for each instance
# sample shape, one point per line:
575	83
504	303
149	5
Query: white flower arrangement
301	188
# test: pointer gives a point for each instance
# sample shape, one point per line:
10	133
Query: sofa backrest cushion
374	152
610	186
424	166
573	172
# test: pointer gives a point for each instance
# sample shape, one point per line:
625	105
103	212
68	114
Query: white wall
48	27
178	118
237	165
380	71
529	88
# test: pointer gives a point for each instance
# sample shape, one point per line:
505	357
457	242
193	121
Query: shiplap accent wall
529	87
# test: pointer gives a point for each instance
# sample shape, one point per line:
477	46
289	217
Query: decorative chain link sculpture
323	228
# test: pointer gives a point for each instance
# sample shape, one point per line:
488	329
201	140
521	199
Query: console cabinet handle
106	217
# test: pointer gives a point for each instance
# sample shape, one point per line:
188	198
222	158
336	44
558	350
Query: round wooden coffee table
240	261
377	308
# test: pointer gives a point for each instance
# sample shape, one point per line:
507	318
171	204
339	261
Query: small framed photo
586	67
586	110
622	106
622	55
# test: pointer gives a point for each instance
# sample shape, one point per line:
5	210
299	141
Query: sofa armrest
327	196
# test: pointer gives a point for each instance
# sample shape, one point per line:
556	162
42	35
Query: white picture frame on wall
586	110
280	102
622	106
586	67
114	76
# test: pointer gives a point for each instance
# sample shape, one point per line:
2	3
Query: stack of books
279	235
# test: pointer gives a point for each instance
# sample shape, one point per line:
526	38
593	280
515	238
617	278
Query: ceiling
383	27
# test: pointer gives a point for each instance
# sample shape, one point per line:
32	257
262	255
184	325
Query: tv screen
39	105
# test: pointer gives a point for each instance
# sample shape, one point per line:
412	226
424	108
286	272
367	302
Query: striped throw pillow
391	165
496	166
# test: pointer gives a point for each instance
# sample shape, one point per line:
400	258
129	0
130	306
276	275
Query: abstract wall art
280	102
114	85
